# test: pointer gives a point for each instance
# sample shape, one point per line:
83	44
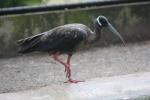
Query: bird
66	39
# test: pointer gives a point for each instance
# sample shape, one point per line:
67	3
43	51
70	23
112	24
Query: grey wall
132	22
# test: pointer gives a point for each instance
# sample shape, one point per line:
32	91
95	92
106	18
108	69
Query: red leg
69	78
69	58
68	61
67	67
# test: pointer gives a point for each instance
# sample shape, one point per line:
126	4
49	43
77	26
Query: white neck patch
99	21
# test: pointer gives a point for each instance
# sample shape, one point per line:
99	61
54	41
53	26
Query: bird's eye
104	22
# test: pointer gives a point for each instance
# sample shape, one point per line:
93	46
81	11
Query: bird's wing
28	39
29	44
62	39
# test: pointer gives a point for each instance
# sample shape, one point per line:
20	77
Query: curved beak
113	30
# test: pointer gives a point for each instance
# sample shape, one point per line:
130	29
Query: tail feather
28	44
28	39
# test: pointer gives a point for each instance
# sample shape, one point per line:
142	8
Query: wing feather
62	40
57	39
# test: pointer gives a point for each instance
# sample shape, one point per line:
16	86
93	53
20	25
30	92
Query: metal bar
43	8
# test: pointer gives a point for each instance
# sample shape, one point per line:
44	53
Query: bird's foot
73	81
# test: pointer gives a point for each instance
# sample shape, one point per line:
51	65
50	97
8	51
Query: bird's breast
82	46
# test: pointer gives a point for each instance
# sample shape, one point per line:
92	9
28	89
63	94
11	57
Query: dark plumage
65	39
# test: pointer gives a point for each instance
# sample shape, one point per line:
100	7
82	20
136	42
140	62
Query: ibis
66	39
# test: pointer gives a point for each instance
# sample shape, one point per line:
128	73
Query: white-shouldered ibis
66	39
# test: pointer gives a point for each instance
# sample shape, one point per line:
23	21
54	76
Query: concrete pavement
125	87
34	71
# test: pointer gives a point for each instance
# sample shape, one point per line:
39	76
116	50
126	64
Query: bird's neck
97	33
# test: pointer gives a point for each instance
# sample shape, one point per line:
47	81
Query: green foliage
16	3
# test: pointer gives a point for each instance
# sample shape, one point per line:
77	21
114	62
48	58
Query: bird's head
102	21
